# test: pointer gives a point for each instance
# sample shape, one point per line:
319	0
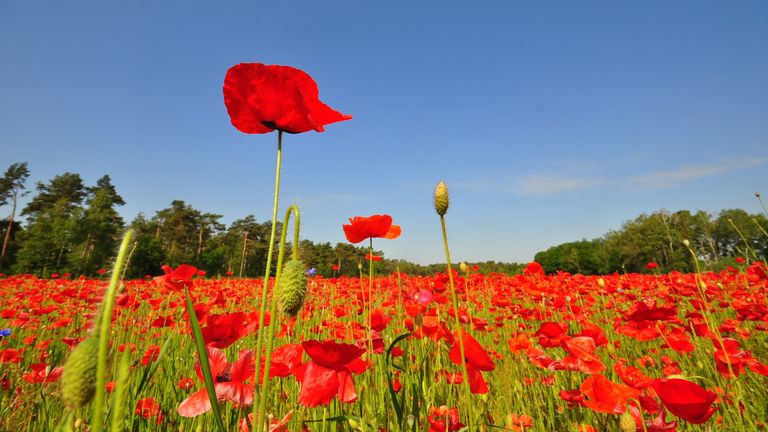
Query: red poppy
362	228
685	399
550	334
229	383
179	278
328	373
582	357
606	396
444	419
261	98
651	265
223	330
533	269
148	408
477	360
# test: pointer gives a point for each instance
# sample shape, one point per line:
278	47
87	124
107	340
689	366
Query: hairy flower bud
292	289
441	198
627	422
78	381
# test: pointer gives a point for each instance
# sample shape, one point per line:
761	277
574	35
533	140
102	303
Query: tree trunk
8	231
242	260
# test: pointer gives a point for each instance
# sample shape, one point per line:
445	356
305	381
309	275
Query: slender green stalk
202	356
273	307
460	335
268	270
122	389
104	324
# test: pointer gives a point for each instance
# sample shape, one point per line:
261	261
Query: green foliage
658	238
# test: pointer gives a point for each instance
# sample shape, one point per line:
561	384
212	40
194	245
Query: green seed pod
292	289
441	198
78	381
627	422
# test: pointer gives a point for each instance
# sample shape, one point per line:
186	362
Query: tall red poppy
685	399
261	98
361	228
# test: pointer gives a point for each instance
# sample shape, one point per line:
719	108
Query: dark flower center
224	377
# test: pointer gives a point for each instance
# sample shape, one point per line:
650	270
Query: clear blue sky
549	121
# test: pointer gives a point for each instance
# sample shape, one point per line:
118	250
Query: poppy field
560	352
457	350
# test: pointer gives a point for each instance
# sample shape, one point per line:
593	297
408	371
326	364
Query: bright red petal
331	354
347	391
318	385
243	368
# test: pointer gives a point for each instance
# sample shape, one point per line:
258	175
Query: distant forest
74	228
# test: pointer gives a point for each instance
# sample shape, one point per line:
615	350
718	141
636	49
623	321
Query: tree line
667	241
74	228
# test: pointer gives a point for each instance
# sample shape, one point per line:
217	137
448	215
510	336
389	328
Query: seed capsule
292	289
627	422
78	381
441	198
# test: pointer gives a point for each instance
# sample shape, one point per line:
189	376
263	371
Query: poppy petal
198	403
318	385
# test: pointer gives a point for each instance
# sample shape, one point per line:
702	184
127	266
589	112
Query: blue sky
549	121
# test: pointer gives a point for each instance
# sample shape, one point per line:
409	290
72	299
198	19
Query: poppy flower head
261	98
685	399
361	228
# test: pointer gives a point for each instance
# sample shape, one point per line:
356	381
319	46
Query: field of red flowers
543	352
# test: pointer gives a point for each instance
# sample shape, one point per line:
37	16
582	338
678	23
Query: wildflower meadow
457	350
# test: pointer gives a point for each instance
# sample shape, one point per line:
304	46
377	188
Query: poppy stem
268	270
293	209
104	323
454	300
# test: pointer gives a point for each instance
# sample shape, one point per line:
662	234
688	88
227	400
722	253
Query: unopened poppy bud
78	381
441	198
757	194
686	243
464	267
627	422
601	283
292	289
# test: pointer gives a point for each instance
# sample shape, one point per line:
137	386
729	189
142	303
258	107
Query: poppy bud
627	422
601	283
441	198
78	381
463	267
292	289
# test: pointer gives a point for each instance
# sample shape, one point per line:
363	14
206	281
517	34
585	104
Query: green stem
202	356
268	270
454	300
104	323
273	307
